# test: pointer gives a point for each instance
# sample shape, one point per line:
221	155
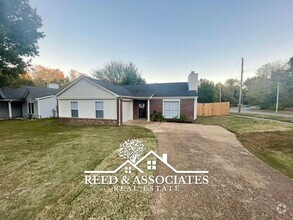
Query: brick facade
187	108
88	121
156	105
135	109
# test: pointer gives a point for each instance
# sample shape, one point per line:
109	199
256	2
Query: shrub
157	116
182	118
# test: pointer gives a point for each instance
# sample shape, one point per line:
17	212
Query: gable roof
13	93
117	89
161	90
38	92
177	89
18	93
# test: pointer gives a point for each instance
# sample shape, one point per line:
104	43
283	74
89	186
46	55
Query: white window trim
74	109
100	109
171	100
28	110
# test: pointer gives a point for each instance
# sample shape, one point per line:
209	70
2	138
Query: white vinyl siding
171	108
74	109
84	89
99	109
86	108
48	107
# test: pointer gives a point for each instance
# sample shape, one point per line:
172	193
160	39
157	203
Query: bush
157	116
182	118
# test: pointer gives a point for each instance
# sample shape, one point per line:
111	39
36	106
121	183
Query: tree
41	76
268	69
131	150
262	89
119	73
230	92
22	79
73	74
206	91
19	35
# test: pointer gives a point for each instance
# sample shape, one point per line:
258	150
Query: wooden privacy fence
215	108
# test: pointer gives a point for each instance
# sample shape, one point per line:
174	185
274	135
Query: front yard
42	164
270	141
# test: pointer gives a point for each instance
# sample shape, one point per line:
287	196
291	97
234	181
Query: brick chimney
192	81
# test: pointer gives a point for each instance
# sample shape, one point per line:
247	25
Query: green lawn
270	141
273	117
42	164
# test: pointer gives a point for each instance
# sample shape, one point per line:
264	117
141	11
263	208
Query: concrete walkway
240	185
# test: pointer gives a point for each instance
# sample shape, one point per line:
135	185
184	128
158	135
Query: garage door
127	111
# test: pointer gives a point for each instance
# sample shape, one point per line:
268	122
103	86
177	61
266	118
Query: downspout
39	107
119	111
9	110
149	107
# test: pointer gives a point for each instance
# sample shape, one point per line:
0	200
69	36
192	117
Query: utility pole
278	92
220	96
241	82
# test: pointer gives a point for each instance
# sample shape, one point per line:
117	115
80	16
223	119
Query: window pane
171	109
74	113
31	109
99	114
74	106
167	105
175	106
99	105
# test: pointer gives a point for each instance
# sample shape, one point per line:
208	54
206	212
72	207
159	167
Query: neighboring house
91	101
28	100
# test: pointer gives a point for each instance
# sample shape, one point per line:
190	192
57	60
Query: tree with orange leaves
73	74
41	76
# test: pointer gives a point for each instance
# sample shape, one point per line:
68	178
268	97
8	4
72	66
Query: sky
166	40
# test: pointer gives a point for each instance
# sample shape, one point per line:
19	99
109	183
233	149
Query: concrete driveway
240	185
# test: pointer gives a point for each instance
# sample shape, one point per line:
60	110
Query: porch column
195	108
9	110
149	114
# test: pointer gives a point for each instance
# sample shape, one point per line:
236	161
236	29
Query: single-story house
27	101
91	101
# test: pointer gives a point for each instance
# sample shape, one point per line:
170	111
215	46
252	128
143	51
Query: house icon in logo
150	164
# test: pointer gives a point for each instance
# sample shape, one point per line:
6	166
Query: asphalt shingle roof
36	92
161	90
176	89
119	90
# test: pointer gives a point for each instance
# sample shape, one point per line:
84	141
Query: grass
270	141
42	164
272	117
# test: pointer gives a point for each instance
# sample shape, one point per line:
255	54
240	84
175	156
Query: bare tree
131	149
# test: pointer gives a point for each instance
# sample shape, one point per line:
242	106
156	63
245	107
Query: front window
171	109
74	109
99	109
31	108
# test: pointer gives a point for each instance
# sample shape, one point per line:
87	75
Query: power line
268	47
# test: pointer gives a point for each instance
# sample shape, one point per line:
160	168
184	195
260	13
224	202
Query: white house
91	101
27	101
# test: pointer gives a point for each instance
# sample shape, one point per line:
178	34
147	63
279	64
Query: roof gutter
152	96
44	97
